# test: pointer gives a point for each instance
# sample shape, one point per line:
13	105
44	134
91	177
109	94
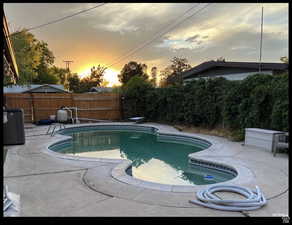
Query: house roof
27	88
100	89
249	65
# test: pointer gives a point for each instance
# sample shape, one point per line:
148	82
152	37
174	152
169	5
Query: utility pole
67	64
66	84
261	42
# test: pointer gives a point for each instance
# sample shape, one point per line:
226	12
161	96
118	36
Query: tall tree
132	69
154	76
44	73
172	74
34	59
27	53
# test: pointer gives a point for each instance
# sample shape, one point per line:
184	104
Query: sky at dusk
101	35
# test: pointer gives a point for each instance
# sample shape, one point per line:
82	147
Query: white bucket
52	117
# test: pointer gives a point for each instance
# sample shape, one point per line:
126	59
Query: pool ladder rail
53	126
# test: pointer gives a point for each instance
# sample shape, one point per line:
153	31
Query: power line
171	23
131	52
60	19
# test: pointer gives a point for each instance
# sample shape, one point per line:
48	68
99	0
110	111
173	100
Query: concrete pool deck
51	186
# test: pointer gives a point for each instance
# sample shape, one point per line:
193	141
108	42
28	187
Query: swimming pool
159	158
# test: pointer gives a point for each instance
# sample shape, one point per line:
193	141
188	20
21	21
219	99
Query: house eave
9	49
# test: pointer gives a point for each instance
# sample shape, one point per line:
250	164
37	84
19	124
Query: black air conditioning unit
13	129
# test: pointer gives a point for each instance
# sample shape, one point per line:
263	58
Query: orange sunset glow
110	75
117	33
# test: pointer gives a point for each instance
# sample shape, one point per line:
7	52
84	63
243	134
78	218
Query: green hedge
258	101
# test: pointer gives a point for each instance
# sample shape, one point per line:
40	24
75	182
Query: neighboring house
232	70
9	63
35	88
100	89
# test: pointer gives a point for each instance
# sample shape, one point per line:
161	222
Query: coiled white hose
254	199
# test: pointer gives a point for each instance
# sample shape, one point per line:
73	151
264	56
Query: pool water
153	159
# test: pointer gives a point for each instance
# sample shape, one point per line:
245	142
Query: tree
95	79
135	92
44	73
45	76
27	53
85	84
164	74
74	83
132	69
61	73
172	74
154	76
47	56
104	83
34	59
96	75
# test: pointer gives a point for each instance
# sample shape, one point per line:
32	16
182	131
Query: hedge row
258	101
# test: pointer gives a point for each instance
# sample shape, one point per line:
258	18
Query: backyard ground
50	186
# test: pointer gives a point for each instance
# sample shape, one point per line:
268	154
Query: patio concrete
51	186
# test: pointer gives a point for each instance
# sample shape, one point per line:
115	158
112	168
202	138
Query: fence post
72	100
32	108
121	106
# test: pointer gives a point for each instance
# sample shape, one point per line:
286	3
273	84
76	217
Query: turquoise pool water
156	158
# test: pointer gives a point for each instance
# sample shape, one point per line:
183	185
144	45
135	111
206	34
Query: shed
35	88
100	89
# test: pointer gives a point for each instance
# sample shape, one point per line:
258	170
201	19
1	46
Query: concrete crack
278	195
44	173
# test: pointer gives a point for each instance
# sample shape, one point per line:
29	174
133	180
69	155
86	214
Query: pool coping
214	155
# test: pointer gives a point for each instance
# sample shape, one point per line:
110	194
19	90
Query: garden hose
254	199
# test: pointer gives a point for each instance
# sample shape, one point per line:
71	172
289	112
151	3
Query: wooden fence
37	106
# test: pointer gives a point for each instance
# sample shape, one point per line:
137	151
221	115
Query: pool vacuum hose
254	199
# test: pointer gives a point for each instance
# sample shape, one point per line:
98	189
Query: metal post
261	41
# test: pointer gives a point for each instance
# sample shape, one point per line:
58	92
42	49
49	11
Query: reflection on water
113	154
154	161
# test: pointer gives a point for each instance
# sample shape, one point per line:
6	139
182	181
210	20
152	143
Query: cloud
106	33
193	38
131	17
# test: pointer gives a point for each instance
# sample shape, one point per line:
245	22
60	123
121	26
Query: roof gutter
9	48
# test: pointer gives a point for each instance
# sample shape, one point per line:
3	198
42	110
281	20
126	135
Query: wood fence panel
22	101
98	106
46	104
37	106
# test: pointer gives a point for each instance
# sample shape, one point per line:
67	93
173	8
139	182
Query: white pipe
89	119
76	114
67	108
76	118
254	199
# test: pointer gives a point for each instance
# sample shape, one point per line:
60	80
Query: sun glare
110	75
